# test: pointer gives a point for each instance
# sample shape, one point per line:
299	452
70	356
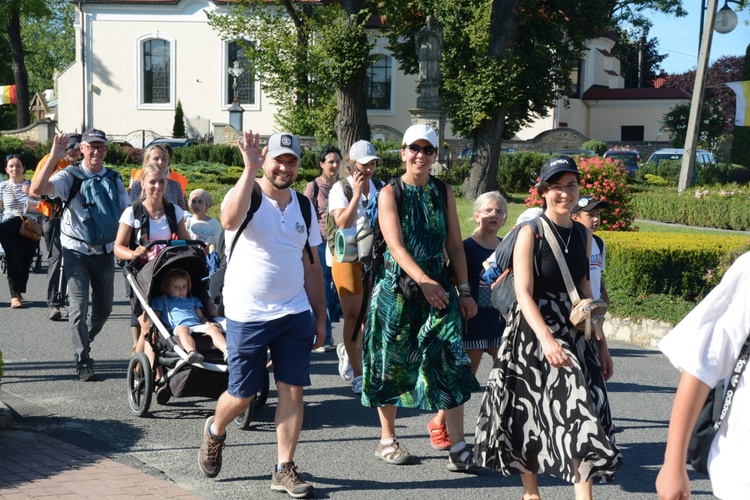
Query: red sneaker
438	436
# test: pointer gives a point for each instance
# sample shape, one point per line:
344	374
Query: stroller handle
170	243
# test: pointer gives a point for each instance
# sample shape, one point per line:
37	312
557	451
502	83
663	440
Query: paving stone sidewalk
33	465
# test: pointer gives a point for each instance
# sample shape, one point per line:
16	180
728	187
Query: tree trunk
351	100
505	18
351	119
20	76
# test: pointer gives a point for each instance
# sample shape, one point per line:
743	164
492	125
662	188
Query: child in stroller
167	371
185	314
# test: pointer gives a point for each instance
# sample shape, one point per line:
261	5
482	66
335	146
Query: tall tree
49	43
724	69
639	57
313	59
11	12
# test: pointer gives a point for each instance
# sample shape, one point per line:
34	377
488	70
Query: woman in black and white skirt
546	408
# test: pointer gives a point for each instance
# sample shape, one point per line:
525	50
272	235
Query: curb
645	332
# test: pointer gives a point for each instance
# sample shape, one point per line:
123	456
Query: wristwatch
463	287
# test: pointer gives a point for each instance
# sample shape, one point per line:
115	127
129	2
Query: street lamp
722	22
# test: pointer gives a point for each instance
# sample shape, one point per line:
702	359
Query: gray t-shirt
70	229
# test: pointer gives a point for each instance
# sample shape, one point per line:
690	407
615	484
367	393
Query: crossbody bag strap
13	194
555	246
734	380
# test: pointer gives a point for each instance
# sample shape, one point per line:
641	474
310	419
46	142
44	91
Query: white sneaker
357	385
345	368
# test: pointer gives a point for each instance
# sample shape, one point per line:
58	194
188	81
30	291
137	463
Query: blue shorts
290	340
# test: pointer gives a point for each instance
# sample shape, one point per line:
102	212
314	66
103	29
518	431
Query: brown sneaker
287	479
209	456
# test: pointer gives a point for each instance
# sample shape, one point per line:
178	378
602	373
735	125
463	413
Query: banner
742	115
9	94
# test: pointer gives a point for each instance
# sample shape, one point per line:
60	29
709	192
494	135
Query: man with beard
271	283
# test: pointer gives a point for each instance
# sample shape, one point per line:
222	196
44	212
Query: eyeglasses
100	148
569	188
493	211
427	150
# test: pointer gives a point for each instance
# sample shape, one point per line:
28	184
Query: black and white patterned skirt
535	418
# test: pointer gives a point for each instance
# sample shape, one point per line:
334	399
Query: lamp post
722	22
235	110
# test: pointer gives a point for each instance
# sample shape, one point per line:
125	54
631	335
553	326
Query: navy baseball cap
556	165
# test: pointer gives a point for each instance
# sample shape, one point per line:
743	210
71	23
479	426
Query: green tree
634	46
741	135
313	59
178	129
11	12
49	43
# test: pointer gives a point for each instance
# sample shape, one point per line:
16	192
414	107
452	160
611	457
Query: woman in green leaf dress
413	354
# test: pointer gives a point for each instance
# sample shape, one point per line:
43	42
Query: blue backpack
101	205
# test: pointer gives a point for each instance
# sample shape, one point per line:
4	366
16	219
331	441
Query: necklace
554	228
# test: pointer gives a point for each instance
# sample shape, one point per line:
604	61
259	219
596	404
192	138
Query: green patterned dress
413	354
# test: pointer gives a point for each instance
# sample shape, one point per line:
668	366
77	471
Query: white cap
529	214
417	132
362	152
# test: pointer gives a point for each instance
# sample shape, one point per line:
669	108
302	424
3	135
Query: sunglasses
11	156
427	150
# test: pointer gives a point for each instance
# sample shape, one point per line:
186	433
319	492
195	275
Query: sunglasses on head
427	150
11	156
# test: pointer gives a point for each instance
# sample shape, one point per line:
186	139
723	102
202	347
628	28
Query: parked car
573	152
466	153
628	158
175	143
703	158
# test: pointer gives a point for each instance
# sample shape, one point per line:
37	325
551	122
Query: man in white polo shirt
271	283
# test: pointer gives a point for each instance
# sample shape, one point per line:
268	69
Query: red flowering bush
605	180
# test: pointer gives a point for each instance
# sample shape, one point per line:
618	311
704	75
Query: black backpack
141	220
216	282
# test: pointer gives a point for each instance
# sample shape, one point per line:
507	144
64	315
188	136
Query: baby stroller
205	379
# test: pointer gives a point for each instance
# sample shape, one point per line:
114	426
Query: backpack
141	221
216	281
101	205
331	226
500	273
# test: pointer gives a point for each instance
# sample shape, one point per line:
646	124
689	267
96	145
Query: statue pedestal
435	118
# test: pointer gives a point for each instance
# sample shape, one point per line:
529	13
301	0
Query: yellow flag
742	90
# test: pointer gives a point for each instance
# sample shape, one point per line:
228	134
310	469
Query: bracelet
464	295
419	280
464	287
132	256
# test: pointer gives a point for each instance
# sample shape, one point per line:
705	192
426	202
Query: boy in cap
52	210
588	211
271	284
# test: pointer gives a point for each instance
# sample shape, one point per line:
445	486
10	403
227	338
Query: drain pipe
83	65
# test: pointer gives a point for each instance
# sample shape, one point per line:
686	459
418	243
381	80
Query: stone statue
430	50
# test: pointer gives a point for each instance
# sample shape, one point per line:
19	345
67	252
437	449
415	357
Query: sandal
462	460
393	453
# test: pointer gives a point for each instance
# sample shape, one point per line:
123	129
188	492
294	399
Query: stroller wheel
262	395
140	384
244	419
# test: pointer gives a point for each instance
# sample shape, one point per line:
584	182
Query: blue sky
678	37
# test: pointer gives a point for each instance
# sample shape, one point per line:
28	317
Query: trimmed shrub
670	264
518	172
599	147
722	207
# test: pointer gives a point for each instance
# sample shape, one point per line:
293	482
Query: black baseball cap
588	203
556	165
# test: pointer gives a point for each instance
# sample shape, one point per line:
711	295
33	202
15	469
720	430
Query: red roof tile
600	93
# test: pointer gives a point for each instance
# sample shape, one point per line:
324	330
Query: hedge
682	265
722	208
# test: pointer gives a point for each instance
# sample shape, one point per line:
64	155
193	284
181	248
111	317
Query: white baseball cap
283	143
417	132
362	152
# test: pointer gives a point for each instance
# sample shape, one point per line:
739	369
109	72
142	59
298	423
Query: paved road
339	436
